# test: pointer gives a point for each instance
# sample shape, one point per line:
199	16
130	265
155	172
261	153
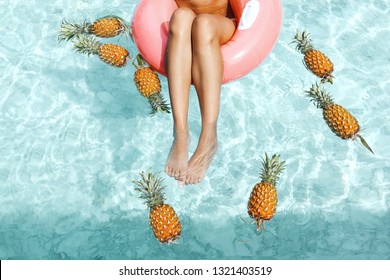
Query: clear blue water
74	133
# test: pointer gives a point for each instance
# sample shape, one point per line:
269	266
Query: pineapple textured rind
147	81
340	121
165	223
262	202
106	27
318	63
114	55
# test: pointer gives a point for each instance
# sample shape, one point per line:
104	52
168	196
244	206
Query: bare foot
177	163
202	157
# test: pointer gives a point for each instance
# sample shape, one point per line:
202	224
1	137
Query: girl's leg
209	32
178	60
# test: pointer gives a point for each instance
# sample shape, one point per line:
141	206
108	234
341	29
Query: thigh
215	26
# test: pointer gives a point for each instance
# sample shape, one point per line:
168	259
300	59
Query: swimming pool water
74	133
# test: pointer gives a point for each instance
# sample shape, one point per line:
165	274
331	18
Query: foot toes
169	172
180	178
190	181
196	180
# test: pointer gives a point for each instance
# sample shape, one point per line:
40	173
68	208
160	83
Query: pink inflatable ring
257	32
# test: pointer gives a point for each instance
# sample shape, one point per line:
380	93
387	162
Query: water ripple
74	133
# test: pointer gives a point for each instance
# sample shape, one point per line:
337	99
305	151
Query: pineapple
109	26
339	120
315	61
111	54
149	86
263	199
162	217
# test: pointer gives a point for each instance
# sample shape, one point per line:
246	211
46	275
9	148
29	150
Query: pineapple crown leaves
86	44
68	30
151	189
271	169
158	104
303	41
319	96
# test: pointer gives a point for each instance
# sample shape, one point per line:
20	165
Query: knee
181	21
203	30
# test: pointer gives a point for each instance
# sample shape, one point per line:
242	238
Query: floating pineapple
109	26
111	54
339	120
263	199
315	61
149	86
162	217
